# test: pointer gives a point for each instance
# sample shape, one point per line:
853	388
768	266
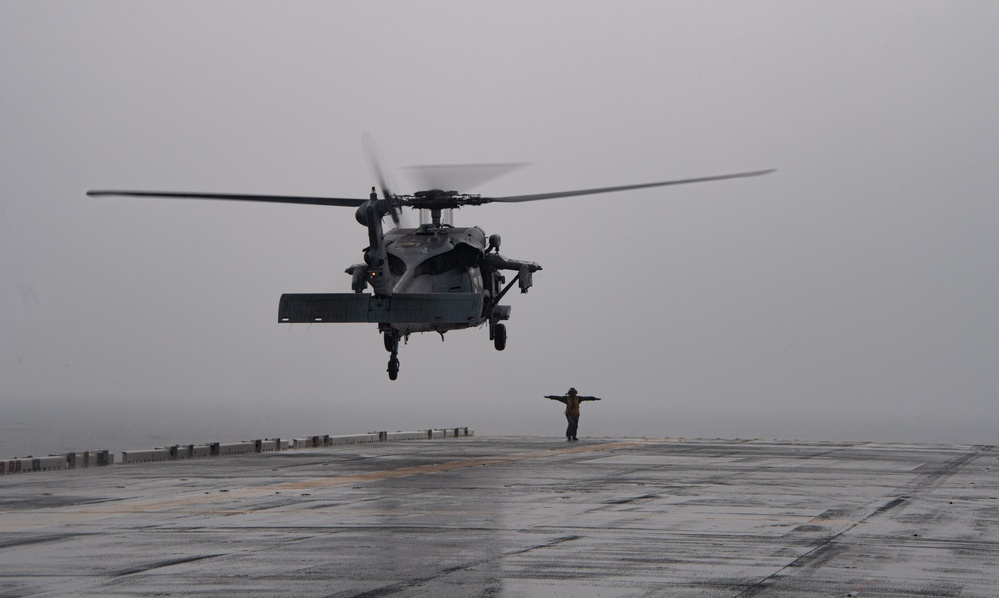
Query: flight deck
515	516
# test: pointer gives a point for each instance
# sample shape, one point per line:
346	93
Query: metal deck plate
515	517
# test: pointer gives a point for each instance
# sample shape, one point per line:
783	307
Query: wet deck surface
515	517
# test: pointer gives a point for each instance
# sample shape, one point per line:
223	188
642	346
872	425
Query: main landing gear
497	333
497	330
499	337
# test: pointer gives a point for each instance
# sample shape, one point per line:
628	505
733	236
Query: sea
41	430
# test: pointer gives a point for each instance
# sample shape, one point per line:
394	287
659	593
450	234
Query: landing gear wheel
499	337
392	346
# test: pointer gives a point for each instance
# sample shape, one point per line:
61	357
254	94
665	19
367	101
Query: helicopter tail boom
400	308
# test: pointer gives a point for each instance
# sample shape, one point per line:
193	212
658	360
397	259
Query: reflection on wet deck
515	517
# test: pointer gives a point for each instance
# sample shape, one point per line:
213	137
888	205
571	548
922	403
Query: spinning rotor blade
377	165
458	176
295	199
537	196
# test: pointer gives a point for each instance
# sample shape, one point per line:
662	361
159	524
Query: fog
850	295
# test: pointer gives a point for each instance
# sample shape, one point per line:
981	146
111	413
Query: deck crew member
572	399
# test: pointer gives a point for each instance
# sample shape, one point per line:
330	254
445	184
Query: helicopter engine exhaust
361	215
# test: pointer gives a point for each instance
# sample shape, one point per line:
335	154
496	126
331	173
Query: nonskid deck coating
515	517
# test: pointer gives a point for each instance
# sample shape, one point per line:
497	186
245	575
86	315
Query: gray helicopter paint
436	310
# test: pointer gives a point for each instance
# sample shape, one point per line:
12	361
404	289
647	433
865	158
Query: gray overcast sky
853	294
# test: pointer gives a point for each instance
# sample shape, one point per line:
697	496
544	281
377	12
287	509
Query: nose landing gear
392	346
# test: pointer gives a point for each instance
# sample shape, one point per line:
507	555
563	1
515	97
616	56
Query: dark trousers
570	432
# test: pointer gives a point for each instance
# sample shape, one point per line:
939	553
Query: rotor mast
434	202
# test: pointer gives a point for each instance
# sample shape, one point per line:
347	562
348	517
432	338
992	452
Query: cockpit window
462	256
396	266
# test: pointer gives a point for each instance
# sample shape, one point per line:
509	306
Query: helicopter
432	278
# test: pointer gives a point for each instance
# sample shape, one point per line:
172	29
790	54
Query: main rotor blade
537	196
295	199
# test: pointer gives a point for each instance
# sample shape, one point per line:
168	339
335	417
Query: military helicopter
432	278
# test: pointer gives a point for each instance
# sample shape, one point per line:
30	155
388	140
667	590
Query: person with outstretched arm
572	399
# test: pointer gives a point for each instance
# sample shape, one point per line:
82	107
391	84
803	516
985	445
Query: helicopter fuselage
437	260
433	278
